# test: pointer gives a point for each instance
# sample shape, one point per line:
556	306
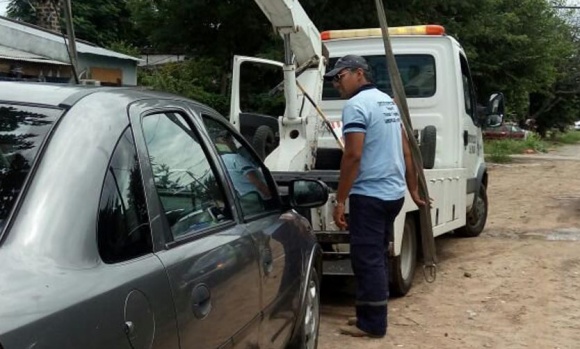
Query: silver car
134	219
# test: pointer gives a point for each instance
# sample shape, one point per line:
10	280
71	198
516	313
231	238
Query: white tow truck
444	113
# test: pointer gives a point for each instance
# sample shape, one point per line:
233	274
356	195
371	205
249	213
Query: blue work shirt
238	168
382	168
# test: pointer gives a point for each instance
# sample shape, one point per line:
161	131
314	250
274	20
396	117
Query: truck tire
402	267
264	141
476	217
428	146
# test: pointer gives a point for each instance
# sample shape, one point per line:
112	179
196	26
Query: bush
499	151
195	79
535	142
571	137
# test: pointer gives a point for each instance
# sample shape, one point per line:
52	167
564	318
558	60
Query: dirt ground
515	286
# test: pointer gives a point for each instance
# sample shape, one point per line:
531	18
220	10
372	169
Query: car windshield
22	131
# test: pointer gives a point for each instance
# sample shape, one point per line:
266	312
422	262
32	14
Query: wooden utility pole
427	239
71	38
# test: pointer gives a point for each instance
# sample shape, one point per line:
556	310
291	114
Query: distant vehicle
123	225
505	132
577	125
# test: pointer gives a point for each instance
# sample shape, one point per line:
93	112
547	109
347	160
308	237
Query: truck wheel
428	146
402	267
476	217
264	141
307	337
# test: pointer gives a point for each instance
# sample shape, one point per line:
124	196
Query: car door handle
129	328
267	261
201	301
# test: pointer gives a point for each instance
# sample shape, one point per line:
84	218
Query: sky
3	5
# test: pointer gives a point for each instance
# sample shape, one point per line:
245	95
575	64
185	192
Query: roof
17	55
82	46
51	94
148	60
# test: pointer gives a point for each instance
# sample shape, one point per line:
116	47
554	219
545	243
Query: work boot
354	331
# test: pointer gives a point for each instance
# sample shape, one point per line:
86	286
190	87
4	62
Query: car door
274	231
124	242
210	259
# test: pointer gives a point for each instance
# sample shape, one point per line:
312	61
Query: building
32	52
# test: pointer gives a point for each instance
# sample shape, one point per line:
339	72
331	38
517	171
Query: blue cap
347	62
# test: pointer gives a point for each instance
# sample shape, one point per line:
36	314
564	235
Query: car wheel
307	337
476	217
403	266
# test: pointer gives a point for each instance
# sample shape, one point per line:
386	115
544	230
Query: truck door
472	139
258	129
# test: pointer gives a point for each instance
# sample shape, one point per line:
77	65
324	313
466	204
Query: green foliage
125	47
571	137
194	78
499	150
100	21
21	10
536	143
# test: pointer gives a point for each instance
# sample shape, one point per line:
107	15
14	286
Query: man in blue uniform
375	170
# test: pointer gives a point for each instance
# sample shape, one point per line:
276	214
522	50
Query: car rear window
417	73
22	131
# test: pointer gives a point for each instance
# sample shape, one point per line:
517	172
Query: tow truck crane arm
303	51
291	21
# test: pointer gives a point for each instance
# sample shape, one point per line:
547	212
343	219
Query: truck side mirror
307	193
495	110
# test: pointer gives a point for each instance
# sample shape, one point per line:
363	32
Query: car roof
66	95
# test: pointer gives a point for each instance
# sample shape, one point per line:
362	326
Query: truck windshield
22	131
417	72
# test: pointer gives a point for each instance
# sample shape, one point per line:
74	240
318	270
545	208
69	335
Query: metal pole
71	38
427	241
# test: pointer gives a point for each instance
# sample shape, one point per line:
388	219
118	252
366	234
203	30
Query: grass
570	137
499	151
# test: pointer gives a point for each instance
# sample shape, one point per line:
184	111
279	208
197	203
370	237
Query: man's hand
417	198
338	216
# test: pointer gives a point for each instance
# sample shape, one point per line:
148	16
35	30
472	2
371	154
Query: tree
103	22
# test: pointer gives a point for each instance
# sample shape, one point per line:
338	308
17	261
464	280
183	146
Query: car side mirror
307	193
495	110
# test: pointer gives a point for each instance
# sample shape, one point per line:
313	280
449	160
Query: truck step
335	237
337	267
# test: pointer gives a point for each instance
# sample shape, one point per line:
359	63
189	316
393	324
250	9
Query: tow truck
442	103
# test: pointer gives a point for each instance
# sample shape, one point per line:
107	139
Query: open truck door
260	130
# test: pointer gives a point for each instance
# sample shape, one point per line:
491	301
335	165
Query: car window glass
417	73
467	87
123	226
22	131
190	193
254	190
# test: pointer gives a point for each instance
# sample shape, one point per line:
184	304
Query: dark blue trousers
371	226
